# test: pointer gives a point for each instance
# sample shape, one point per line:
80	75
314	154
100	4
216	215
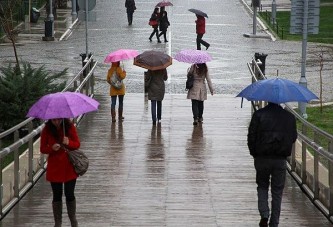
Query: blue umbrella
277	91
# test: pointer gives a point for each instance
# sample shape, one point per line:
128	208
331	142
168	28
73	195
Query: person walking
164	24
154	21
57	136
201	30
271	134
130	8
156	91
198	93
116	71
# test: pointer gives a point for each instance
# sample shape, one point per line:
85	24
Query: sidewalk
34	32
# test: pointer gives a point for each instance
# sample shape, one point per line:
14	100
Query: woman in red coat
201	30
57	135
155	16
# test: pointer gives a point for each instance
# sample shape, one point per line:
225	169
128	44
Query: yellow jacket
121	74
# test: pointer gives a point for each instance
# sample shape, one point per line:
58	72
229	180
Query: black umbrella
198	12
153	60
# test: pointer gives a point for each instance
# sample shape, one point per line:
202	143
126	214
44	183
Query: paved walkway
172	174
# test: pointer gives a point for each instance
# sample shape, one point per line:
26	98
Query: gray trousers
270	172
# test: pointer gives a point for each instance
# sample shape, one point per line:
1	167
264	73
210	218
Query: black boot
57	213
71	211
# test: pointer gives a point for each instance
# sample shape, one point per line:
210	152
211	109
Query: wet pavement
230	50
173	174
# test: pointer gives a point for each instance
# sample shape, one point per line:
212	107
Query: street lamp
49	26
273	12
74	13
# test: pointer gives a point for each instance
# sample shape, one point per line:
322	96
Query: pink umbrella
164	3
62	105
121	54
193	56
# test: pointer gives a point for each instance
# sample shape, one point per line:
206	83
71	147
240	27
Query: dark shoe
154	122
263	222
150	40
200	119
159	41
207	46
166	41
195	122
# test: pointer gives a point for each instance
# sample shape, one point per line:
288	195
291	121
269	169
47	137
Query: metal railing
311	162
18	177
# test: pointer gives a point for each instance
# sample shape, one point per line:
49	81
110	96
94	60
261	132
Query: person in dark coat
130	8
201	30
156	91
164	24
155	17
271	134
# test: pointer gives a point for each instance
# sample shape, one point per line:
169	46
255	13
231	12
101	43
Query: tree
18	92
8	9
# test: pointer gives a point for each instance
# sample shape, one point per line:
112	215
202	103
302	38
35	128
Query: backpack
116	82
189	80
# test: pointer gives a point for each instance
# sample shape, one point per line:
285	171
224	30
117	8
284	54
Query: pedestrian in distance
58	136
116	71
271	134
198	93
154	22
130	8
201	30
164	24
156	91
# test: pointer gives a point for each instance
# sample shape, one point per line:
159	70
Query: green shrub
19	91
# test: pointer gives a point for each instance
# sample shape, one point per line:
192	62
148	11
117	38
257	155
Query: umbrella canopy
277	91
198	12
62	105
153	60
193	56
121	54
164	3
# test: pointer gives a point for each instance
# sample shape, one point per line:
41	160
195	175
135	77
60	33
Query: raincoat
121	74
156	88
199	89
200	25
59	168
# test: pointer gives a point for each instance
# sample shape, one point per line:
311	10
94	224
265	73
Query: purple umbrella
193	56
62	105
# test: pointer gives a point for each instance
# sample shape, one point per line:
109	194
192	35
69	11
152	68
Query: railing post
303	167
293	158
1	187
16	167
315	170
330	180
31	155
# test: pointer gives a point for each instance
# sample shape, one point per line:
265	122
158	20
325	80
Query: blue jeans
114	101
153	110
274	170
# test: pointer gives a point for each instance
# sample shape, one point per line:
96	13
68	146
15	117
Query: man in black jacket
271	134
130	8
